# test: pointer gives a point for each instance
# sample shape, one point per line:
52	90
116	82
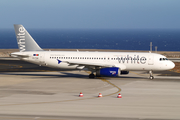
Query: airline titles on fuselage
135	59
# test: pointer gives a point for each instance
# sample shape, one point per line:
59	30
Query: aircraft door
41	59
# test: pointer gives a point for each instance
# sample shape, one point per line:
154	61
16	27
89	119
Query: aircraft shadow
67	75
64	74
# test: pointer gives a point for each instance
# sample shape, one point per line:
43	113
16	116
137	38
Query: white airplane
99	63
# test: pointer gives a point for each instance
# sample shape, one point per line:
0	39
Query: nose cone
171	65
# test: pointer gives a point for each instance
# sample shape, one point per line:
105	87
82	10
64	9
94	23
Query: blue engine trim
113	71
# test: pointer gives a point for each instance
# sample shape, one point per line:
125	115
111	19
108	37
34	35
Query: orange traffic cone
100	95
119	96
80	95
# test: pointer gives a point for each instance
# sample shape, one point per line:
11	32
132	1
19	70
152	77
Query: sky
90	14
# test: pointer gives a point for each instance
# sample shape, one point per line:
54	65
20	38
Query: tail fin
24	40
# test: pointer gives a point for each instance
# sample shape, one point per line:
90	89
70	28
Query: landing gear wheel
91	76
151	77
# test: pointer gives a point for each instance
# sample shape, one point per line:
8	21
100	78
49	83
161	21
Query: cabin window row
94	58
78	58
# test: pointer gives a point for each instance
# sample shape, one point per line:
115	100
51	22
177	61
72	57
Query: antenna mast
150	47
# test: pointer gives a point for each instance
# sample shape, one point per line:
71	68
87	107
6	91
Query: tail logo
21	39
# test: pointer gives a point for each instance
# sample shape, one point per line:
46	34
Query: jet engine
112	71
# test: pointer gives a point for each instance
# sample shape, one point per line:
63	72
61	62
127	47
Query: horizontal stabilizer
19	54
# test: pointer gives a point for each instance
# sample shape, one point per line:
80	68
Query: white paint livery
93	61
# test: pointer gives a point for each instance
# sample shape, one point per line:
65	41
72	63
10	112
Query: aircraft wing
93	65
90	64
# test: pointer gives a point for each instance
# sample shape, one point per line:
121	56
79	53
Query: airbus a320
99	63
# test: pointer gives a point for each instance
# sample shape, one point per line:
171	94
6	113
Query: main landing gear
91	75
151	75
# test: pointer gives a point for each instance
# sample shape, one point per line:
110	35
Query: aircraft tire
151	77
91	76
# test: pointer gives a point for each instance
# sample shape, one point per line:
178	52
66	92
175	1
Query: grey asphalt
54	95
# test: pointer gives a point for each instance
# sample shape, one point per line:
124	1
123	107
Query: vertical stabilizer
24	40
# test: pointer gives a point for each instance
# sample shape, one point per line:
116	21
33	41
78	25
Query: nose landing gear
151	75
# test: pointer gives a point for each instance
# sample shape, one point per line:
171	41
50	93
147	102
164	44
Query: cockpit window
163	59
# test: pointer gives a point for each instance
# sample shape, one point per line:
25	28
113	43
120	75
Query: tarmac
55	96
29	91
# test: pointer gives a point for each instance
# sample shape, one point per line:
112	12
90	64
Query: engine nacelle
124	72
113	71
